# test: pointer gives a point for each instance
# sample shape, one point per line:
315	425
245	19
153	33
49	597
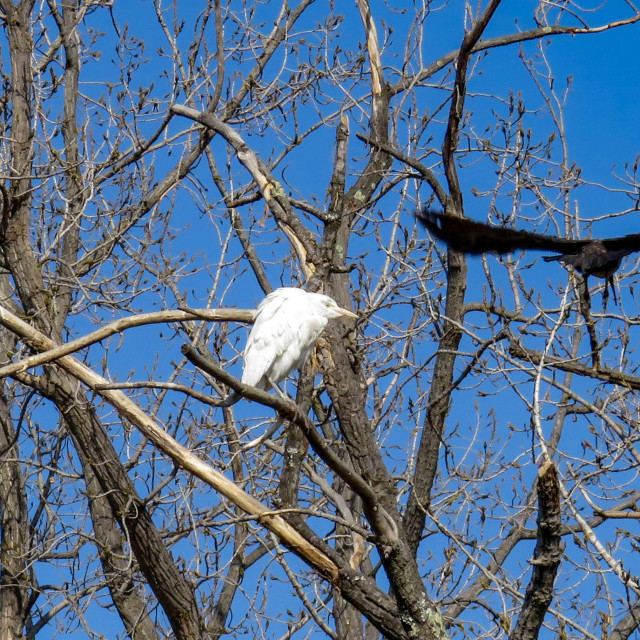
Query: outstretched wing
624	244
468	236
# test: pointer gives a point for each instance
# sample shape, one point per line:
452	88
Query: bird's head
328	307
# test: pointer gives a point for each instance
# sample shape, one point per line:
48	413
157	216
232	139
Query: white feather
287	324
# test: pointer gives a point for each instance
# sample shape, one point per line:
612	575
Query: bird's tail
553	258
230	400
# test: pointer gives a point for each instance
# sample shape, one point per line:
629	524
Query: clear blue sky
603	136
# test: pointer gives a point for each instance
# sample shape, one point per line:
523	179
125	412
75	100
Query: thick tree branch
546	557
442	382
168	445
458	95
15	577
339	175
629	623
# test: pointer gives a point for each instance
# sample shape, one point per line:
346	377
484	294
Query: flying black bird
594	257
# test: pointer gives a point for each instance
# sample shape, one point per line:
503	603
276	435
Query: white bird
287	324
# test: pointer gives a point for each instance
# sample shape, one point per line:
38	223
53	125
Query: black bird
594	257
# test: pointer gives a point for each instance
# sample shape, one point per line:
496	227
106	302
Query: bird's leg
265	436
605	295
230	400
611	282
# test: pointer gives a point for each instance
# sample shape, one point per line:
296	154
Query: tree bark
174	593
15	580
546	557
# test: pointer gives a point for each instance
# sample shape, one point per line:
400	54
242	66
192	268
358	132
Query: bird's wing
258	356
296	336
264	341
625	244
473	237
283	333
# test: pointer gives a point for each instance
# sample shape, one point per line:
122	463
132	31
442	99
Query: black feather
600	258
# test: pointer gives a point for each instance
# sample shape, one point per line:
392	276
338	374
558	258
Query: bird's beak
349	314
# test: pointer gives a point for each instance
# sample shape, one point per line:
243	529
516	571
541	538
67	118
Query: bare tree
451	465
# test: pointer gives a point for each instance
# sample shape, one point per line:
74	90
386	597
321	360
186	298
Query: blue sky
600	116
603	137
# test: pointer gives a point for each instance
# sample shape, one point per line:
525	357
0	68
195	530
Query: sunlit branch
117	326
180	454
272	191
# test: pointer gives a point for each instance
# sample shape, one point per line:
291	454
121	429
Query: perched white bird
287	324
